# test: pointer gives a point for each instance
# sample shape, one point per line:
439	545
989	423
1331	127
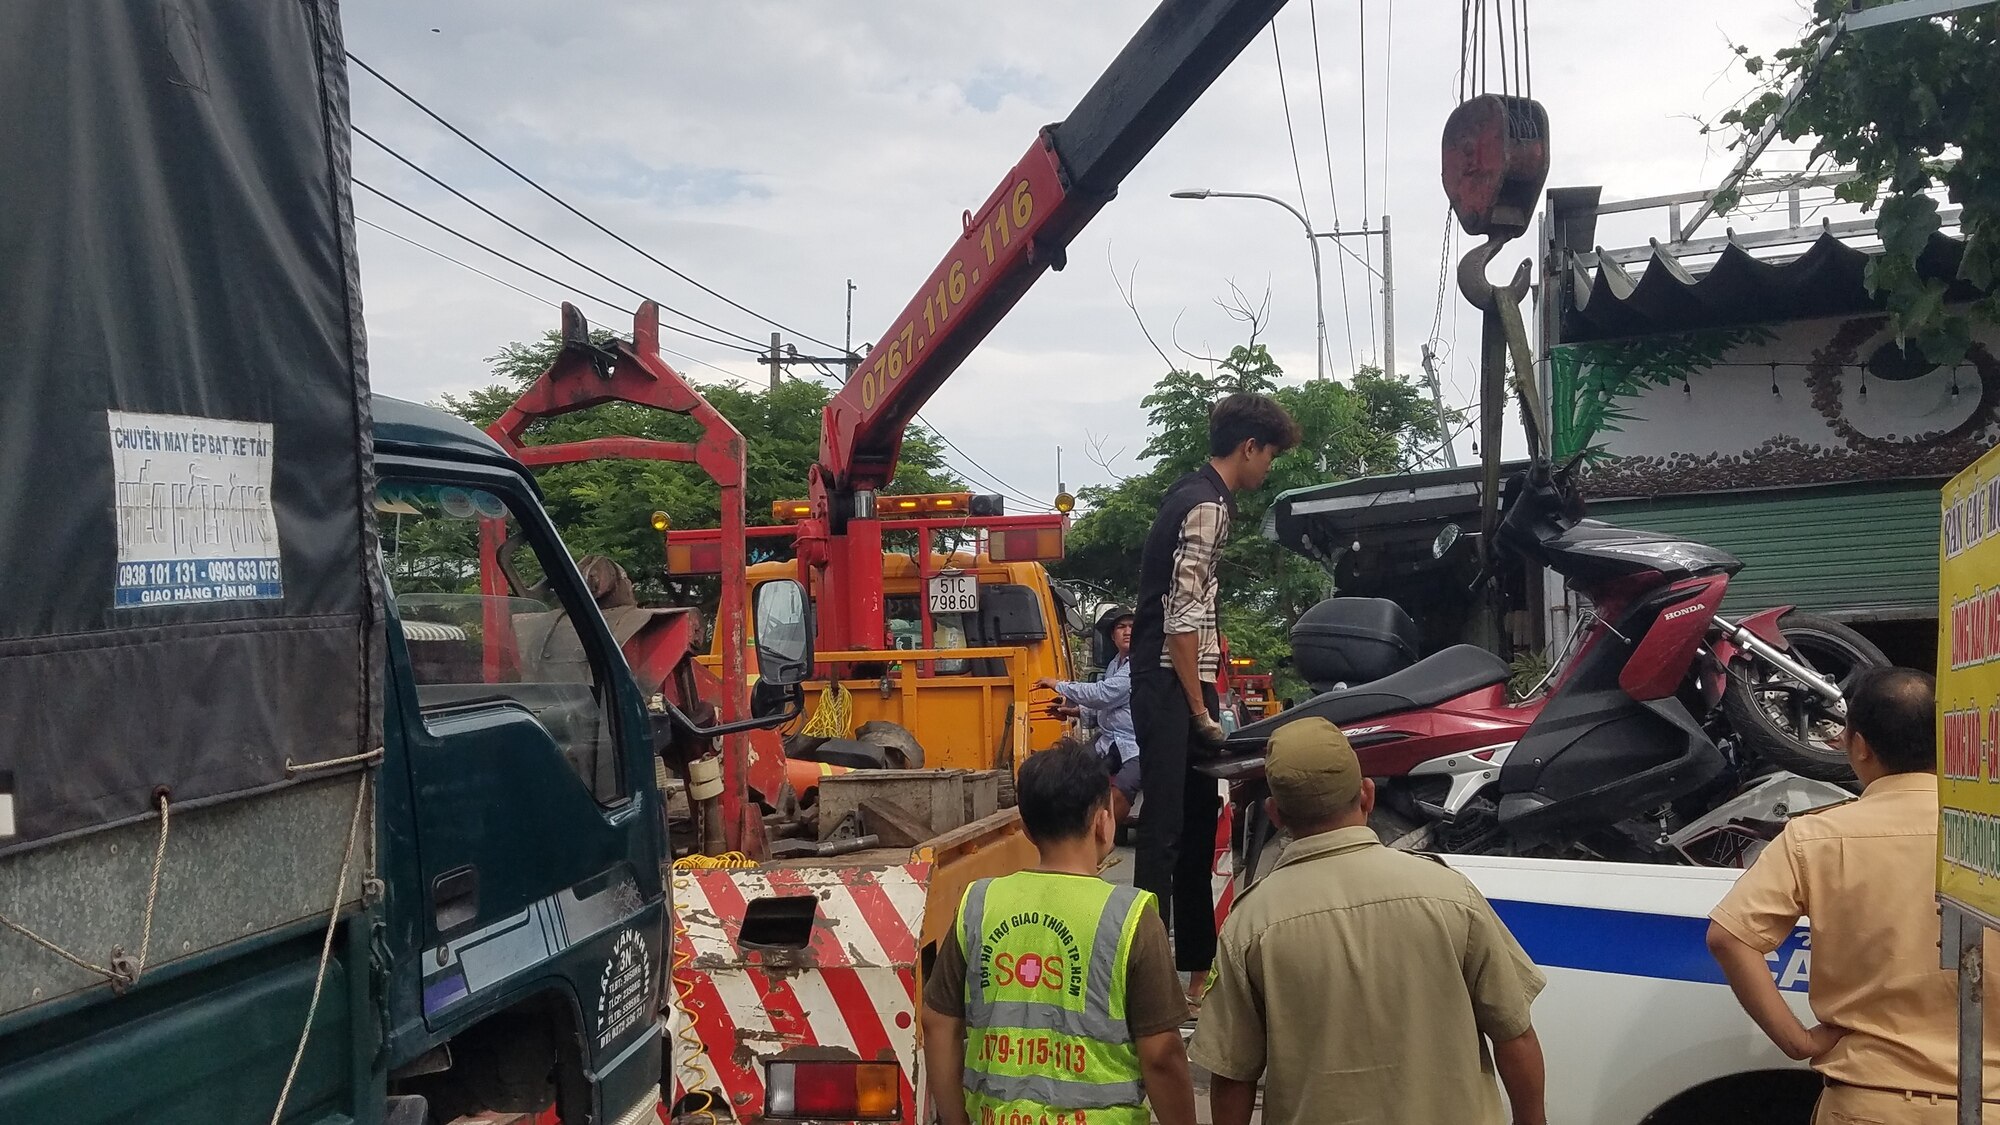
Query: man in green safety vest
1054	999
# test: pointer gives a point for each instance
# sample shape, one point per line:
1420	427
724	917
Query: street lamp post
1312	241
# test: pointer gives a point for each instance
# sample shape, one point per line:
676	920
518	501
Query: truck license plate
954	593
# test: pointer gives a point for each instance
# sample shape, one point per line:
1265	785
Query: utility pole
783	355
1388	305
853	361
1388	275
1437	399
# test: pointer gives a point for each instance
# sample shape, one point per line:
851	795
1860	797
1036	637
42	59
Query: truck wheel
902	747
1787	726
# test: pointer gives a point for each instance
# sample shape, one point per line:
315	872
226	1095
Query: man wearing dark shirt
1176	652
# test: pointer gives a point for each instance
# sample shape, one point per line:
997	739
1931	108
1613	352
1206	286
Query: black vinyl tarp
188	603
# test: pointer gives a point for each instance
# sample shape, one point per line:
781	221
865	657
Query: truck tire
1788	729
902	747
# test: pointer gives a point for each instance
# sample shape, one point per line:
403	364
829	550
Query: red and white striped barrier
851	988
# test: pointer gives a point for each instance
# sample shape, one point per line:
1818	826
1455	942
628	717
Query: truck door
529	824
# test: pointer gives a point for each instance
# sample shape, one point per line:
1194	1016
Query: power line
558	200
994	478
733	376
435	252
538	240
1298	174
1367	208
393	201
1333	191
516	262
1388	97
567	206
456	262
1285	99
1465	42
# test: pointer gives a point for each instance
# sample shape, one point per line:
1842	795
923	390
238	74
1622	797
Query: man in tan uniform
1361	983
1865	871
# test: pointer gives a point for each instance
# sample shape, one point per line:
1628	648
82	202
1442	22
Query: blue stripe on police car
1630	943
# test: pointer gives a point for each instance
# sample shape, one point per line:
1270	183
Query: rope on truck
696	1051
326	946
834	717
119	975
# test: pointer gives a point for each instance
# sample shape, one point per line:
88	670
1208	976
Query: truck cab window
906	631
484	625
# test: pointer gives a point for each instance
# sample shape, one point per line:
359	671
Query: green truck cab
328	793
503	933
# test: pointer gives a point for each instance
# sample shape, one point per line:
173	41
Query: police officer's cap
1312	770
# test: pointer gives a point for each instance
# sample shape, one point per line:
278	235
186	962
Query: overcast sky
773	149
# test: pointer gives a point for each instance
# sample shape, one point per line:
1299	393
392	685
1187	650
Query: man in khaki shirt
1865	871
1363	983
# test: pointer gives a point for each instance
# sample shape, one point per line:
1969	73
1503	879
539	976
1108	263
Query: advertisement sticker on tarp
195	520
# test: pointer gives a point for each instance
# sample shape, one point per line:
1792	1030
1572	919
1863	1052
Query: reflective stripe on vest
1038	1039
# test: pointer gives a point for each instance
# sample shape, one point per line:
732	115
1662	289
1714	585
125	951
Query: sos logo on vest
1031	970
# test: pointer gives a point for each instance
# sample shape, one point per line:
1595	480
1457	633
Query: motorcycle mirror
1446	540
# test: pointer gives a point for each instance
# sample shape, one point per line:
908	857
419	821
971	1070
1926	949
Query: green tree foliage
1371	425
1909	106
605	507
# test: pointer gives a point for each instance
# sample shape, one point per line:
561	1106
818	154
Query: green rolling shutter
1866	551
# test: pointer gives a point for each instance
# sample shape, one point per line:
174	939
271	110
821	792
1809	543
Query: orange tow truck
969	622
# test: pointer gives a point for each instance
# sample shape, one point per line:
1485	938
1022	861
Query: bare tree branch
1097	456
1128	290
1238	308
1196	356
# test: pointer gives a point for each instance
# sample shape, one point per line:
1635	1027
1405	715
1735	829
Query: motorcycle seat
1599	551
1458	670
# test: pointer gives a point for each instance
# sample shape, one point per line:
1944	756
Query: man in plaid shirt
1176	653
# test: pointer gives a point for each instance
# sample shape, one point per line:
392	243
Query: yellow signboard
1969	690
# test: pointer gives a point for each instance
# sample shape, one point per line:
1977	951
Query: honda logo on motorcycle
1683	611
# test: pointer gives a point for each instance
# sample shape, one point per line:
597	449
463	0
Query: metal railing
1793	192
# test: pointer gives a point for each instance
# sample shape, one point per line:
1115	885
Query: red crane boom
1022	229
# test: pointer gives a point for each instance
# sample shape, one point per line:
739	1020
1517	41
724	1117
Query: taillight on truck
818	1089
1042	544
694	558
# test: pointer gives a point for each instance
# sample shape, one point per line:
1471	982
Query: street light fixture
1312	241
1319	290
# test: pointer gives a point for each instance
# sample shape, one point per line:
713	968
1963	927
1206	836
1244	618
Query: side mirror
1446	540
784	633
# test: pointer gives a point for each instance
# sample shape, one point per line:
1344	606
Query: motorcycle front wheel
1786	724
